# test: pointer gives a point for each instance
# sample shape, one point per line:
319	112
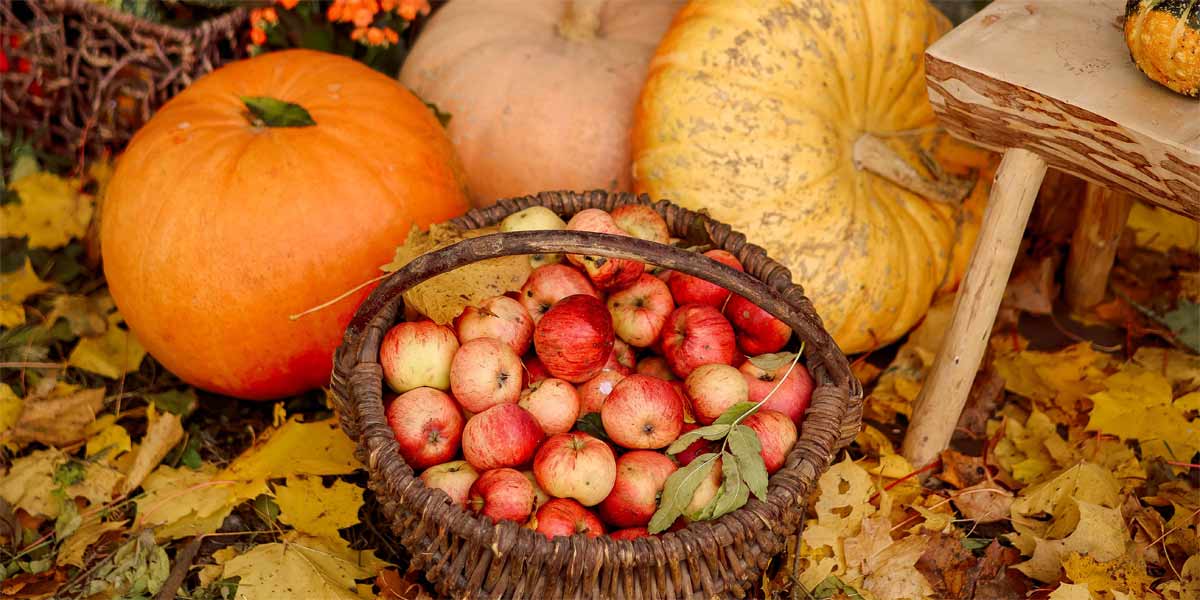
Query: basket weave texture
466	556
97	74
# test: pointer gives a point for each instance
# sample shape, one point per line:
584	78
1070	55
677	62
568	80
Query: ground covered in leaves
1073	474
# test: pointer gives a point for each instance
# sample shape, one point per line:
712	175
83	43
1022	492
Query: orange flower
270	15
288	4
258	36
392	36
358	33
375	36
388	5
334	14
363	17
409	8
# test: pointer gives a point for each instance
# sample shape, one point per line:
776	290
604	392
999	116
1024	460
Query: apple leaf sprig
742	469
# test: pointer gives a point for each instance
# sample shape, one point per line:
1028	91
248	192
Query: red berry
3	62
23	65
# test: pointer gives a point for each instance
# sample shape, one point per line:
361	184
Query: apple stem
778	384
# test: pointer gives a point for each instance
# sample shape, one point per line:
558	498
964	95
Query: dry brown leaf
73	548
1126	574
948	567
57	420
33	586
960	470
165	430
392	586
984	502
892	573
1032	288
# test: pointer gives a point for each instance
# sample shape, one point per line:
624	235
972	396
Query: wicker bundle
469	556
96	74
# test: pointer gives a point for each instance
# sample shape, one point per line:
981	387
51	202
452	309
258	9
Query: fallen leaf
87	316
162	433
137	569
845	491
180	402
1187	586
1032	288
1070	591
181	502
394	587
73	548
1181	369
33	586
874	442
1055	381
51	212
211	573
1048	509
112	438
821	554
865	372
1136	405
57	420
10	407
313	509
1100	532
15	288
29	483
892	573
316	448
995	580
1161	230
948	567
1184	322
872	539
960	470
1125	574
302	567
987	392
112	355
984	502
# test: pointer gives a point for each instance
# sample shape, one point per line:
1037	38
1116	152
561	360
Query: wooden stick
1094	245
940	403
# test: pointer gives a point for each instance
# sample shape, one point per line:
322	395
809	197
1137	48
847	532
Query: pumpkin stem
873	154
581	21
264	111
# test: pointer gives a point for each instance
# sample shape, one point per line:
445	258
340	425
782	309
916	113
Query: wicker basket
97	74
467	556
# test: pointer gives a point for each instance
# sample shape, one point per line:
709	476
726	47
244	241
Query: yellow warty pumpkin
756	111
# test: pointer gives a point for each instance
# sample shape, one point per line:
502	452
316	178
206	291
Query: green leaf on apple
593	426
772	362
735	412
711	432
678	490
744	444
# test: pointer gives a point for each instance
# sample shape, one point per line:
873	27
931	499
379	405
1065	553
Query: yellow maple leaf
302	566
1071	591
1055	381
316	448
30	483
72	549
1160	229
182	502
1181	369
60	419
111	437
162	433
1100	533
51	212
311	508
15	287
821	554
1136	405
1126	574
211	573
892	572
10	407
112	355
846	490
1056	497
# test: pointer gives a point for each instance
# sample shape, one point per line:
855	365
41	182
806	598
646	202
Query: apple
540	496
696	448
681	391
705	492
622	360
485	372
762	374
554	404
498	317
606	273
576	465
417	354
697	335
566	517
427	424
504	435
535	371
642	412
535	218
757	331
655	366
595	391
549	284
776	435
688	289
501	495
574	338
713	388
642	222
640	310
454	477
641	475
632	533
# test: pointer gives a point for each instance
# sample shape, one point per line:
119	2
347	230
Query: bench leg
938	406
1094	245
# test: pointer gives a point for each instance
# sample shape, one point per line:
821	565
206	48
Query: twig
179	571
32	365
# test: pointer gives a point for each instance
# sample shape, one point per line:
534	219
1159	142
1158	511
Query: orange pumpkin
227	214
540	92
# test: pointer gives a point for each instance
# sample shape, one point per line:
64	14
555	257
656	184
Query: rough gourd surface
752	110
1164	42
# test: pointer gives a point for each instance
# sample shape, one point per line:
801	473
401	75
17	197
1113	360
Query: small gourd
1164	41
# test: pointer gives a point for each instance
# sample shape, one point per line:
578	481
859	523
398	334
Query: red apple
697	335
575	338
427	425
455	478
696	448
576	465
501	494
705	492
540	497
485	372
595	391
549	284
622	360
606	273
535	371
554	404
642	412
713	388
762	374
504	435
498	317
535	218
655	366
566	517
757	331
641	221
687	289
776	435
641	475
640	310
417	355
632	533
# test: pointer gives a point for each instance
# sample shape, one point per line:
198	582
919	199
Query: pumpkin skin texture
533	109
214	230
1164	42
752	110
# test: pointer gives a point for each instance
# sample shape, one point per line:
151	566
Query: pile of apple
518	381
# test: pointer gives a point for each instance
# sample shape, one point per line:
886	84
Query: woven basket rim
810	456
